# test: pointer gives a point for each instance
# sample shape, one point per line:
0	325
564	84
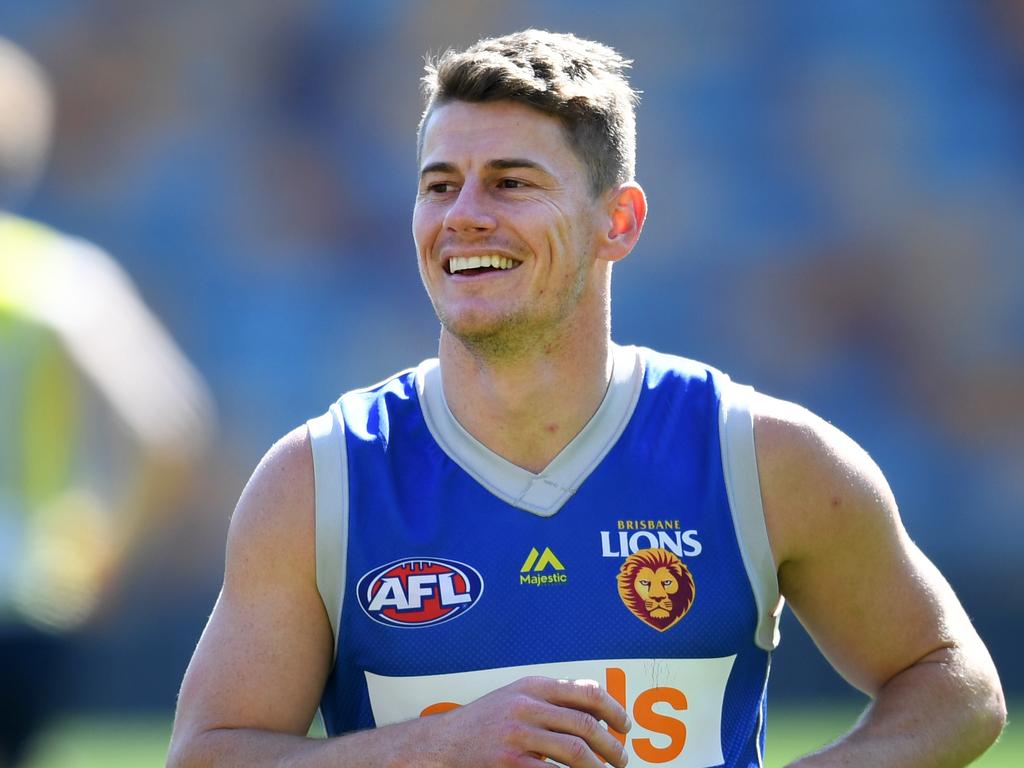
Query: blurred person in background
103	421
365	537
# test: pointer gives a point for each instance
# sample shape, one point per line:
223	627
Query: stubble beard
519	333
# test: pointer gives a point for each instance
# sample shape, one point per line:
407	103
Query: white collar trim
544	493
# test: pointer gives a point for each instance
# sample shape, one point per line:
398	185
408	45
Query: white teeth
459	263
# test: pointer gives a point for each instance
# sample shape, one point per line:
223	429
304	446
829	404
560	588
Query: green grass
795	731
142	743
107	742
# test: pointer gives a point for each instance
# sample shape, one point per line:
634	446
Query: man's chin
478	329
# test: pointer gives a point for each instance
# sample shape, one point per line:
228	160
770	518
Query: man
84	364
481	560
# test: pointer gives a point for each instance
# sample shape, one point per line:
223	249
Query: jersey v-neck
541	493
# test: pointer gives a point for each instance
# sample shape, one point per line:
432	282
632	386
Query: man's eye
511	184
440	187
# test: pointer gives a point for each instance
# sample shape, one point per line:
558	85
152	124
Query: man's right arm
253	685
257	674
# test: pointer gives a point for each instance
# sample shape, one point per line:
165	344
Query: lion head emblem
656	587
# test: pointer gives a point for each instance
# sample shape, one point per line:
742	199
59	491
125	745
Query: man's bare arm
877	608
262	660
256	677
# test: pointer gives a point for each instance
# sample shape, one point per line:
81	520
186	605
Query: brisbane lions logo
656	587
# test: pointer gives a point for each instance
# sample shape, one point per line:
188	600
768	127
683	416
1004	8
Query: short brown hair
581	82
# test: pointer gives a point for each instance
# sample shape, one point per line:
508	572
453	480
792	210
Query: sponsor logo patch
536	563
419	593
656	587
675	704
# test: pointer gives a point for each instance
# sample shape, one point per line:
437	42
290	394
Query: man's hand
528	720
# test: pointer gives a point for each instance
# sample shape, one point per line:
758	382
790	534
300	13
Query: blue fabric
409	500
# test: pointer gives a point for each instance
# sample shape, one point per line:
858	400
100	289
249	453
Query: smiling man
542	544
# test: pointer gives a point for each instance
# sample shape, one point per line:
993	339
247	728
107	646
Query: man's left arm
878	609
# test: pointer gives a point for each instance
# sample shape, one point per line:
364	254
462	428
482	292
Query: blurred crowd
837	216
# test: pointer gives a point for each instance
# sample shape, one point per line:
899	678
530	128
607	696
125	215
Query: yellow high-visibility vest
39	405
52	530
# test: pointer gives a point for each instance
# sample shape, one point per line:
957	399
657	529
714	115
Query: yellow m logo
547	559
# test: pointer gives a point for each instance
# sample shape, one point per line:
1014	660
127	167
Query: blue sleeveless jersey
448	572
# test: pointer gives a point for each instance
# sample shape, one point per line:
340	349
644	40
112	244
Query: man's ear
626	210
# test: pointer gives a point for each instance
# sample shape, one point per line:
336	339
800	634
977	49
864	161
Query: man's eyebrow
505	164
501	164
439	167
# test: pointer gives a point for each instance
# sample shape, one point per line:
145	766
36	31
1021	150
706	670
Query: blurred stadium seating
836	194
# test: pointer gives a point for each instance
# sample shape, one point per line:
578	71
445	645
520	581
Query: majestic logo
419	593
656	587
536	563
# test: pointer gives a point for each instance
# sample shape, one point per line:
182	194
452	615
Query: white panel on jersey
675	704
739	465
330	472
545	493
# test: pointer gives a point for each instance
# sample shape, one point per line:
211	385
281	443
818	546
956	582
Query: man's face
504	222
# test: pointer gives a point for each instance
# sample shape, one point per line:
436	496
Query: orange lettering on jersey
643	715
439	708
615	684
646	717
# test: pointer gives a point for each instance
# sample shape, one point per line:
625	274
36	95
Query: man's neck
528	409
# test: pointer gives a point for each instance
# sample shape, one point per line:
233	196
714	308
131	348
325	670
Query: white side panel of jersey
675	704
330	471
739	465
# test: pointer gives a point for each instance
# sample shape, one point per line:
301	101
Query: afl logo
418	593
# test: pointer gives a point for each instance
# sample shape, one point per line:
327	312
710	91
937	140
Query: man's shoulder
812	474
289	460
795	437
277	503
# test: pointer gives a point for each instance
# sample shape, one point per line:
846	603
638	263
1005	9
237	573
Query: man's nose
470	211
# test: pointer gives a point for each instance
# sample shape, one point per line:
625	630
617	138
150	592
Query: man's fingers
572	751
568	715
582	726
588	696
